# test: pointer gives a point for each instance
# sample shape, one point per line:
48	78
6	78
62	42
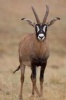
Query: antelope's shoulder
26	39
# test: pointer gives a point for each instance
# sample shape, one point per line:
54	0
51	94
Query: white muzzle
41	37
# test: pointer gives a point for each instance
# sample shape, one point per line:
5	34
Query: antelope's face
41	31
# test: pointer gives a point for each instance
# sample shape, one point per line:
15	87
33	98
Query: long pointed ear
29	22
53	21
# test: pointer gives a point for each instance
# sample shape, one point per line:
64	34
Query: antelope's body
30	48
34	51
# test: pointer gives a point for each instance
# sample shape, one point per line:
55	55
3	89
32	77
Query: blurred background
12	29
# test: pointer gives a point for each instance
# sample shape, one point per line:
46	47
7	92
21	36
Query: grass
55	79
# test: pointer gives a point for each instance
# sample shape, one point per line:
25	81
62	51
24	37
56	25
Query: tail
17	69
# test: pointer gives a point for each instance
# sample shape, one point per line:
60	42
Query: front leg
33	78
42	77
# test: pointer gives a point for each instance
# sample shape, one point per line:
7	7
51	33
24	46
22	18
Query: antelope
34	51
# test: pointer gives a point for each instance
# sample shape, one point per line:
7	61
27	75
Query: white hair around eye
38	29
44	28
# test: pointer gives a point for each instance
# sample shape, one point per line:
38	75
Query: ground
12	29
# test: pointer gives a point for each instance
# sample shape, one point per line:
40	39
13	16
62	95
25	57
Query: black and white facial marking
41	31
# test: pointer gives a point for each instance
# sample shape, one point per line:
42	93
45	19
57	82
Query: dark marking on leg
42	77
33	78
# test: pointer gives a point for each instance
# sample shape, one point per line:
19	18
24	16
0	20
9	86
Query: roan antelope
34	49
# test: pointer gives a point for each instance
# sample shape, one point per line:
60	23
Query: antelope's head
41	28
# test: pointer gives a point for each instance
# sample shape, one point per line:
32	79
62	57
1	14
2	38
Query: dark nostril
41	37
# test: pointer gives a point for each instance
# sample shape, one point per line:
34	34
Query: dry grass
11	31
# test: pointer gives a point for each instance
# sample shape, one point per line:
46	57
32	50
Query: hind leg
22	80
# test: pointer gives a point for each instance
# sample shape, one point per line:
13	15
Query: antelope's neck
40	48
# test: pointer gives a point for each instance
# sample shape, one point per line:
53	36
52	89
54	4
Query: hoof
41	97
41	94
31	96
20	97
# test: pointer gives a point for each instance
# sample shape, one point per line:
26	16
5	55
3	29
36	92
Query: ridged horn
36	16
46	14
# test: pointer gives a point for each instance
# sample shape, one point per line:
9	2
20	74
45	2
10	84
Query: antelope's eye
38	29
44	28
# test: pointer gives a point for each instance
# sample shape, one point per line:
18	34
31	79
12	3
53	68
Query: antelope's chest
40	55
38	61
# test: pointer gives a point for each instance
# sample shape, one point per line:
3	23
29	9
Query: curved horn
36	16
46	14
